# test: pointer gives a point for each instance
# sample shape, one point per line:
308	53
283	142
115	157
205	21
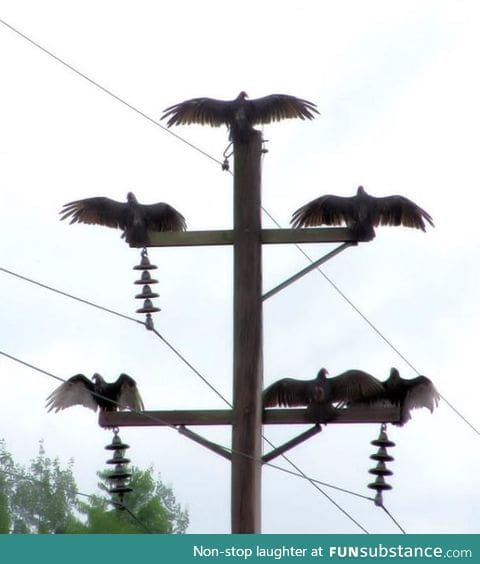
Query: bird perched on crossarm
290	392
410	393
361	212
133	218
240	114
350	386
96	394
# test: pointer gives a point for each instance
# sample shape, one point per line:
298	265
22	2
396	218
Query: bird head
361	191
131	198
97	379
322	374
242	95
394	373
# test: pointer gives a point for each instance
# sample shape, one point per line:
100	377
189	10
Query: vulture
348	387
133	218
96	393
361	213
410	394
240	114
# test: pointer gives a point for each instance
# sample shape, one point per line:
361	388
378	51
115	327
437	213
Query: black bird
361	213
290	392
79	390
133	218
349	387
410	394
240	114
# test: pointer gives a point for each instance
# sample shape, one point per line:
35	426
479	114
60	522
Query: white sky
397	87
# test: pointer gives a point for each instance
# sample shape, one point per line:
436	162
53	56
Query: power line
116	504
393	519
66	294
315	483
329	280
184	360
367	320
176	428
217	161
106	90
162	421
182	139
455	410
168	344
182	357
96	394
177	353
121	505
300	472
31	478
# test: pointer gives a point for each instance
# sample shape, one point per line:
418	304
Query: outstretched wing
326	210
77	390
354	386
205	111
128	394
421	393
410	394
288	392
98	211
163	217
398	210
277	107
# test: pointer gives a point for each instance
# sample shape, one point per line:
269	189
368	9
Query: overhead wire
195	147
141	113
116	504
67	295
393	519
177	428
370	323
109	92
106	90
313	482
183	358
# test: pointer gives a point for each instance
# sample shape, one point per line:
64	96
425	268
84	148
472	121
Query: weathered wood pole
247	338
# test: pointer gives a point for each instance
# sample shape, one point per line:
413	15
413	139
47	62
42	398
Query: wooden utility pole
247	415
247	338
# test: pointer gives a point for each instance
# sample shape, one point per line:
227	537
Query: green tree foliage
150	508
4	515
6	487
41	498
45	500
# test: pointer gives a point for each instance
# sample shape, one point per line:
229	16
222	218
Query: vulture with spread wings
133	218
361	213
349	387
96	393
240	114
410	393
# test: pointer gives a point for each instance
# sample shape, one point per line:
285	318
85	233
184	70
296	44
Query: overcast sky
397	86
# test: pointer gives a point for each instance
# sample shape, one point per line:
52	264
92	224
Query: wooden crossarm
357	414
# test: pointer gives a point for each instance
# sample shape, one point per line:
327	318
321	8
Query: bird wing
77	390
398	210
128	394
288	392
205	111
98	210
276	107
163	217
325	210
354	386
421	393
